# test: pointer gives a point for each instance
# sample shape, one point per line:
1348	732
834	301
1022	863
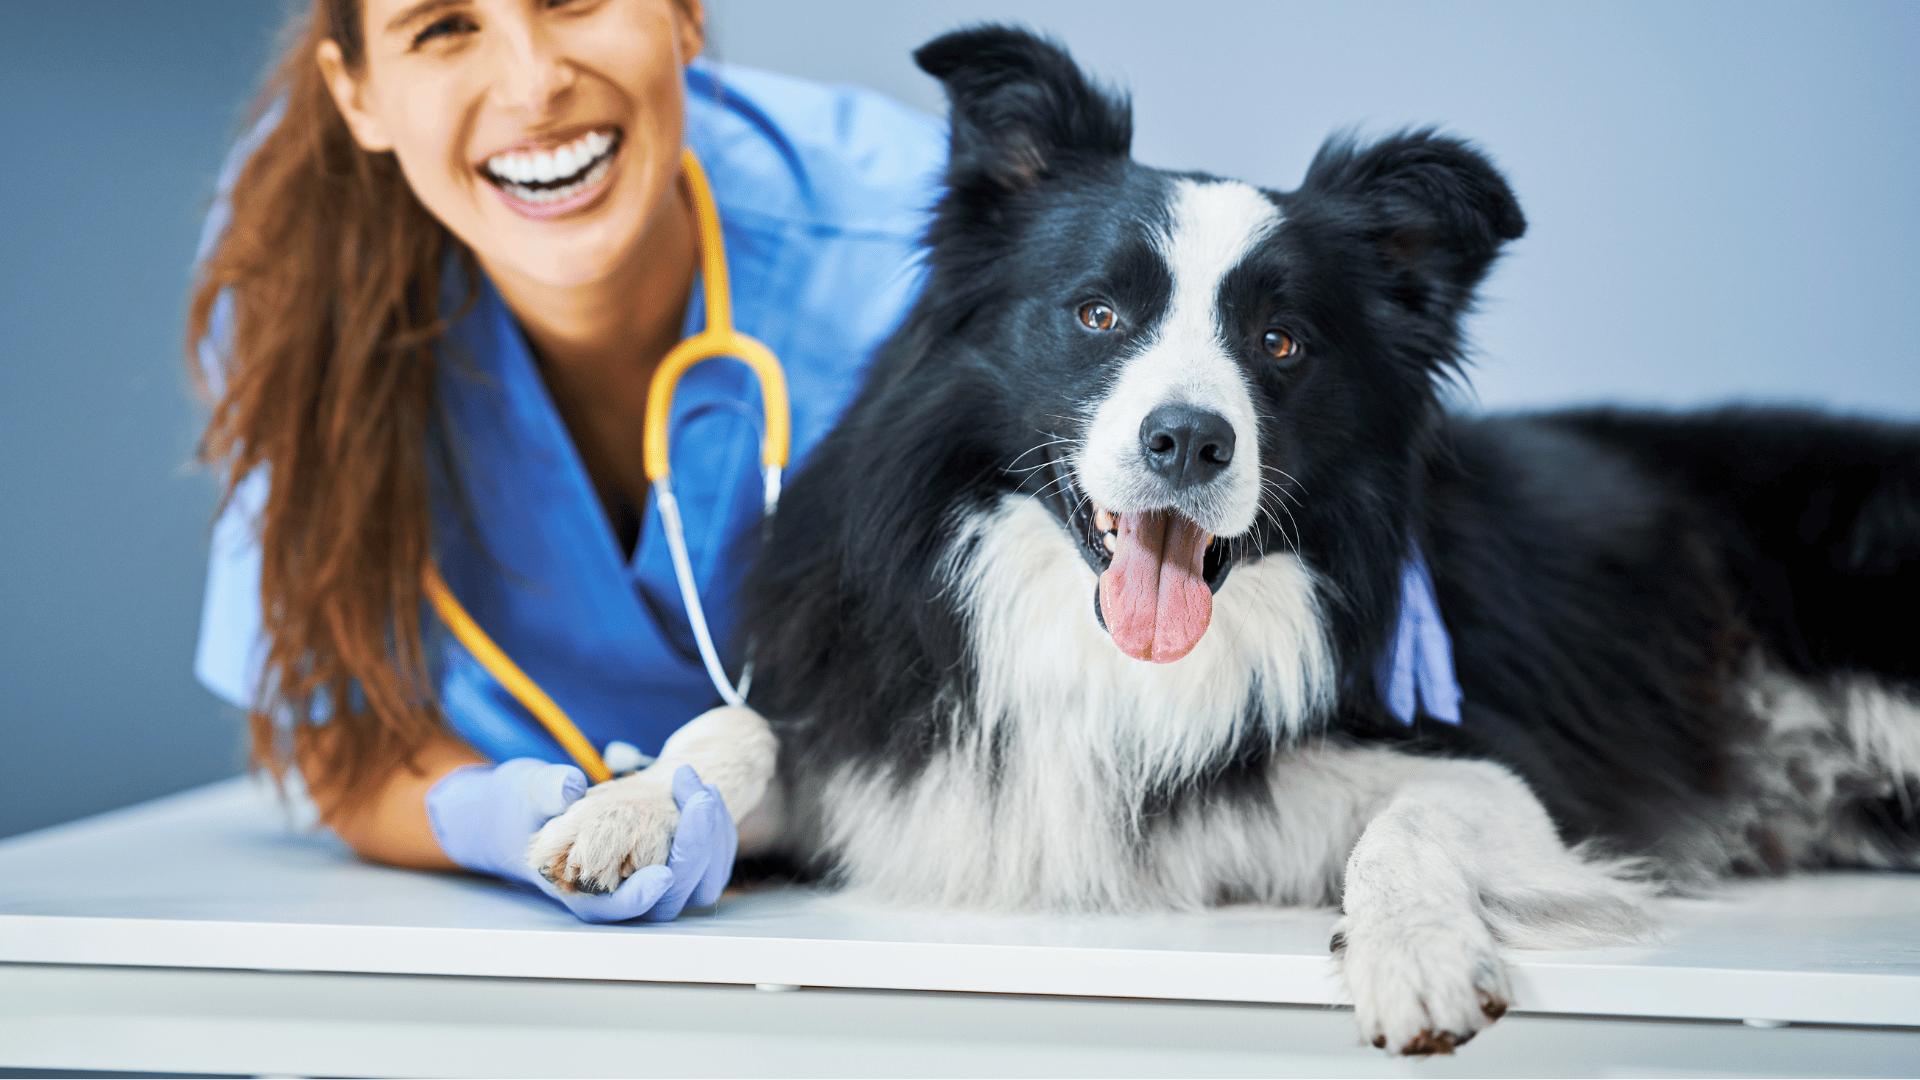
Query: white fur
1066	730
627	823
1883	724
1461	858
1878	723
1185	361
1035	800
1828	743
1045	661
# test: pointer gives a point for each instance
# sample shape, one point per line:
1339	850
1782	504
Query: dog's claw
1421	992
1428	1043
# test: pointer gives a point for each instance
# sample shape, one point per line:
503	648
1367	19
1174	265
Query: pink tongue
1153	596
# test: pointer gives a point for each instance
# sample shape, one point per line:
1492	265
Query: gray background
1721	198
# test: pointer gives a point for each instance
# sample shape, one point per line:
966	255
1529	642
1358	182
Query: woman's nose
533	72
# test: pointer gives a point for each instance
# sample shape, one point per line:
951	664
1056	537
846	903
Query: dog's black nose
1186	445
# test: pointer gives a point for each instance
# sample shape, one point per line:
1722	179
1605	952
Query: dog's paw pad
606	836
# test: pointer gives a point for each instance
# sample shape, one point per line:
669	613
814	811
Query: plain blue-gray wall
1722	200
113	121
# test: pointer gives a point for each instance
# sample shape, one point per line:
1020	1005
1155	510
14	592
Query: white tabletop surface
218	878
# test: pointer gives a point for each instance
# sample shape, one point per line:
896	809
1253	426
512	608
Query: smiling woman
454	249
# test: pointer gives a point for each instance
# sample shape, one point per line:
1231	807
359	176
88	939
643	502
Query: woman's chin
558	266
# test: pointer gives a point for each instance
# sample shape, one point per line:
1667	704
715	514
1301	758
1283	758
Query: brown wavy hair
333	268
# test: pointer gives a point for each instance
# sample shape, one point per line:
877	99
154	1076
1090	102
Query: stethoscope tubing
718	339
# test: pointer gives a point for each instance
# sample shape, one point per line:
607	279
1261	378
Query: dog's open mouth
1158	571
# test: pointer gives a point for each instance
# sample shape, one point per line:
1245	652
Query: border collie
1090	602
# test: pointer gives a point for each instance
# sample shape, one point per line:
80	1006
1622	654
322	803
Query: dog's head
1197	370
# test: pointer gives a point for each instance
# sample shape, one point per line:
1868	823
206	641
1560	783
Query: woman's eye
1098	315
451	24
1281	346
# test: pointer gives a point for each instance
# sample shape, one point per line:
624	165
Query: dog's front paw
1421	985
616	828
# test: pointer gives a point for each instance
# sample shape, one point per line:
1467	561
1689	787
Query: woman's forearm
390	825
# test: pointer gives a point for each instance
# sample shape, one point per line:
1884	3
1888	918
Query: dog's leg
628	823
1460	858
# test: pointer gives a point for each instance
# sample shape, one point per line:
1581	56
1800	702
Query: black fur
1609	577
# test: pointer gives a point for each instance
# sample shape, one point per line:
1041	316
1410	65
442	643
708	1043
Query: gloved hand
484	815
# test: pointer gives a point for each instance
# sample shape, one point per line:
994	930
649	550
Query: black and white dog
1082	605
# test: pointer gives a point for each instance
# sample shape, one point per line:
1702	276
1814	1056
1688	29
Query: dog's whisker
1052	441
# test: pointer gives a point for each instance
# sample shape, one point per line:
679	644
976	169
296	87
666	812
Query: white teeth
1110	541
551	165
568	191
1103	519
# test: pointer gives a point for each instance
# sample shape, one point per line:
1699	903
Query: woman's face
544	133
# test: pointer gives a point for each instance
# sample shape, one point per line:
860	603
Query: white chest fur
1035	800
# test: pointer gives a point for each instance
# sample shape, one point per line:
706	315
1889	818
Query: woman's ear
692	28
348	92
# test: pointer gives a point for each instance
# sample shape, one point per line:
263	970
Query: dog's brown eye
1098	316
1281	346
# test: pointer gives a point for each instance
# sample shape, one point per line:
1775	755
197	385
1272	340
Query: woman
458	245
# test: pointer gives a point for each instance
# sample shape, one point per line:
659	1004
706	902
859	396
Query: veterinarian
442	270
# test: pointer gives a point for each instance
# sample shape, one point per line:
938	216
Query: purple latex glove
484	815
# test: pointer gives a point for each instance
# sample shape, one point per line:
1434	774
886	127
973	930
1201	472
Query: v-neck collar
521	441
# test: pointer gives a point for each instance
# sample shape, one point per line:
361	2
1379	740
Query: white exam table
205	933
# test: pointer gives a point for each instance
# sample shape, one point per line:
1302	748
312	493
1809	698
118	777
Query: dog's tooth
1103	519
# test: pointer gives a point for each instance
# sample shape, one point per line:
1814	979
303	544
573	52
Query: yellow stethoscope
718	339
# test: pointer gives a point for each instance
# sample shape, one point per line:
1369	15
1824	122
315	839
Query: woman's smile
541	180
544	134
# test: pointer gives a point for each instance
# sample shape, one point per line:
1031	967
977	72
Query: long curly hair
333	269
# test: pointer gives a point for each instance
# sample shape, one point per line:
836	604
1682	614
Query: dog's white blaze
1069	732
1185	361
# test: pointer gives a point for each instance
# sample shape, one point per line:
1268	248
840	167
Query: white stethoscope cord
690	593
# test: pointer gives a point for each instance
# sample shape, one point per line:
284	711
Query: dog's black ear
1436	206
1020	107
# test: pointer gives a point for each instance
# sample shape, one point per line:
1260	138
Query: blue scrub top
823	194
